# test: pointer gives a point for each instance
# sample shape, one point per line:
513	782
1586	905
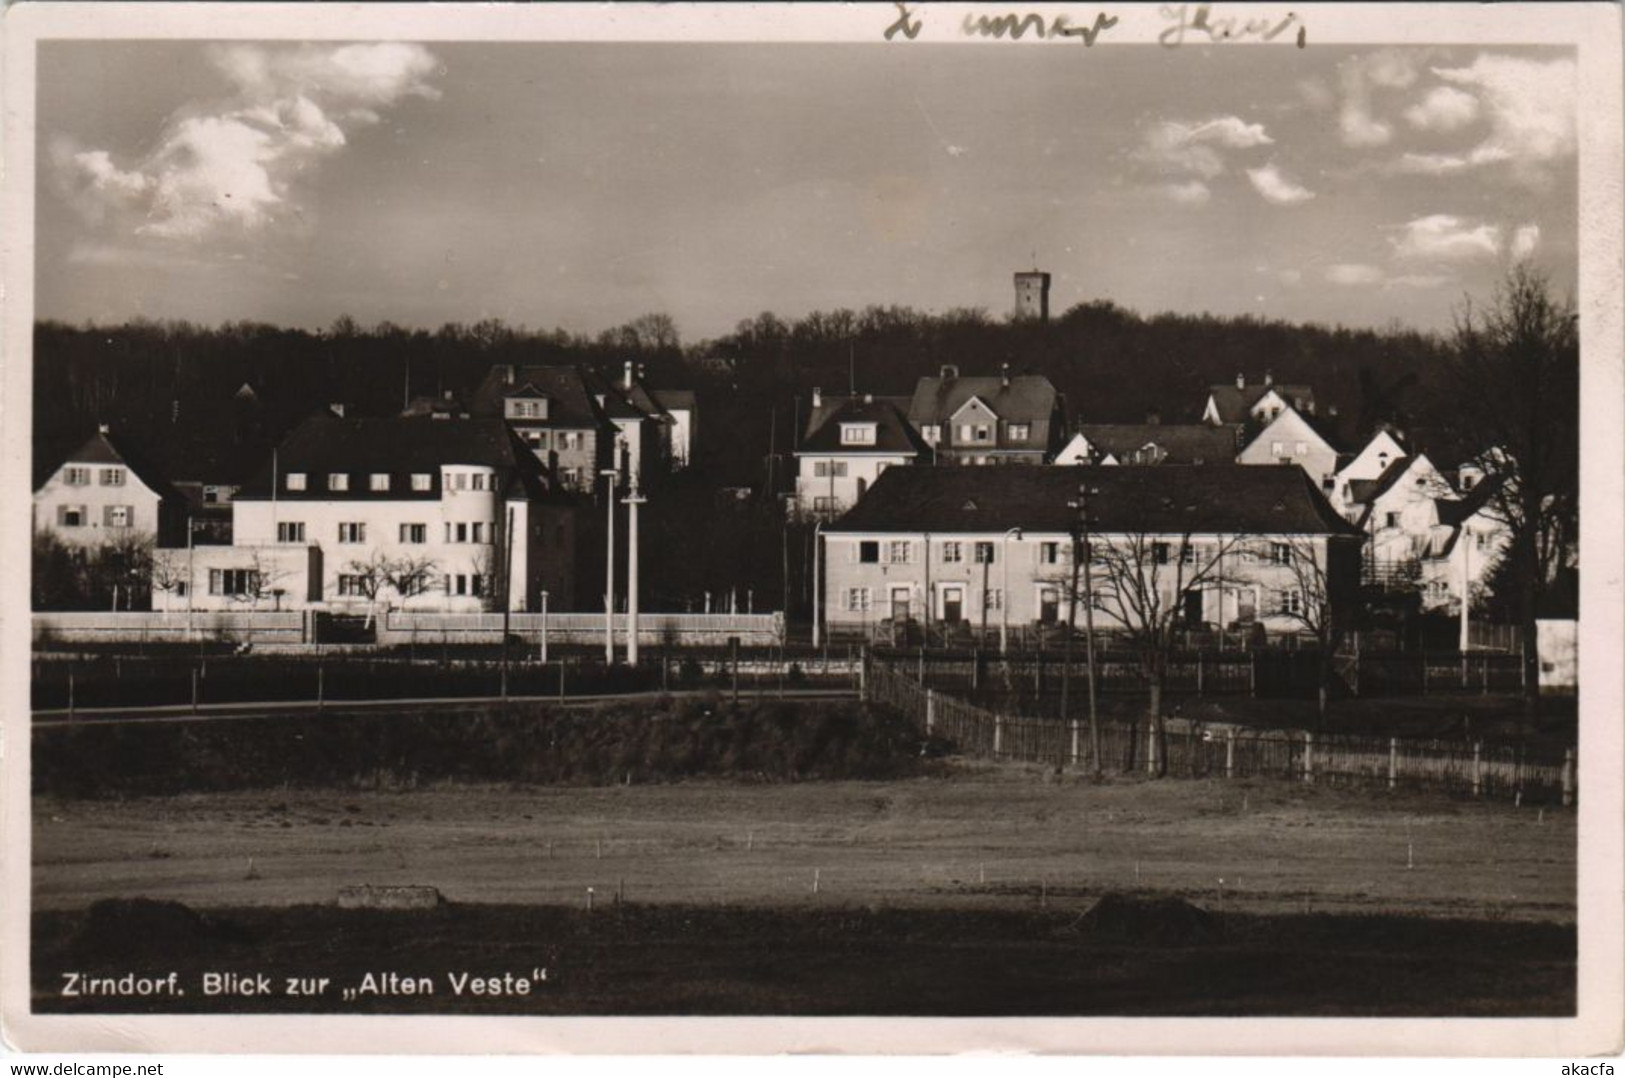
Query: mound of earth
1141	919
144	926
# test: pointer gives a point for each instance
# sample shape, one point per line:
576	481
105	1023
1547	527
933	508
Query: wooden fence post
1074	753
975	669
321	685
863	675
1151	748
1252	673
1308	756
998	735
921	678
1230	754
1478	768
1393	762
1484	674
1568	777
930	711
70	691
1198	673
194	693
1424	673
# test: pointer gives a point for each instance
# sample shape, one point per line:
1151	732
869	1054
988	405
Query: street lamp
818	593
610	475
544	626
633	500
1004	599
1081	504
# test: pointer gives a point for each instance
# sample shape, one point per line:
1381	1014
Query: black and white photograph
907	511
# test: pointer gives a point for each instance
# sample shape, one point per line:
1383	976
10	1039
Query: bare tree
369	576
1516	366
1314	603
408	576
170	575
260	581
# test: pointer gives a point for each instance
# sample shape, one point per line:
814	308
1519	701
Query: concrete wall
654	629
289	627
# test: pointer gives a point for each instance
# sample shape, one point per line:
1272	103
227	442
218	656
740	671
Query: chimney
626	374
818	397
1153	418
949	372
1004	375
337	408
1269	378
508	374
1241	381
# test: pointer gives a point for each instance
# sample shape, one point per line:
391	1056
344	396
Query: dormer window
422	481
378	481
527	407
338	481
857	434
296	481
1020	432
931	433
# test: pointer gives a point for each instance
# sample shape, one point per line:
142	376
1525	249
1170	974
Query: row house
848	443
106	492
354	515
1223	545
995	419
1150	443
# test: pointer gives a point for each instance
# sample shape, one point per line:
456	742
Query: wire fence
1188	749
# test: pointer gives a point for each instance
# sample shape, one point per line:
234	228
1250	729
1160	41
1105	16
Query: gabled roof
1316	426
830	404
573	406
1175	499
1185	443
1025	398
104	447
1455	511
674	400
1235	405
892	432
398	447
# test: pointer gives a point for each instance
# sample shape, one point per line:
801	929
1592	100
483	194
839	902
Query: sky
579	186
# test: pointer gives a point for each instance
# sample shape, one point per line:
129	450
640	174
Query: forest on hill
153	381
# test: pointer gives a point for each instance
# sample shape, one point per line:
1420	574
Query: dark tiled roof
1185	443
110	448
832	403
679	400
1174	499
398	447
1027	398
571	404
892	431
1235	405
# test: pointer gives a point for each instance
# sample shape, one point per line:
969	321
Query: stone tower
1032	295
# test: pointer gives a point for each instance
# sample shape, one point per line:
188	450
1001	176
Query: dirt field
994	838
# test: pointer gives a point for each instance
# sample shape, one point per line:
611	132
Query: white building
101	493
850	442
1290	437
990	549
1381	450
409	513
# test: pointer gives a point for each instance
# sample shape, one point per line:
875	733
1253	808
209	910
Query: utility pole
1082	506
818	594
610	475
633	500
507	595
544	626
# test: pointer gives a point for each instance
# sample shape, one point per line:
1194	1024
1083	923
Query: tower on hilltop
1032	295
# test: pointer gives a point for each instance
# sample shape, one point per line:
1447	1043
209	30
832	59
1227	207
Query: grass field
987	838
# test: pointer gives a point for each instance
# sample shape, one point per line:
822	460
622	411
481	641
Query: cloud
1359	77
1354	274
1525	240
1191	193
1530	107
1443	108
1442	237
1277	188
1419	280
1197	149
234	165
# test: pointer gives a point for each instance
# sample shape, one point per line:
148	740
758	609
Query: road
171	713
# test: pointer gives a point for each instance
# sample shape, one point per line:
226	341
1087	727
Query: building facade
850	442
1292	438
103	493
1000	419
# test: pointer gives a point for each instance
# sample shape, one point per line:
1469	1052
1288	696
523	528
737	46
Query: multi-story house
362	514
1398	511
1150	443
555	412
1379	451
1255	403
992	549
1291	437
850	441
1468	540
105	491
997	419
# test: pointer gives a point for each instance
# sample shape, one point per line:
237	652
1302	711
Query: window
296	481
211	496
1187	554
1159	553
1328	482
953	552
352	584
984	553
70	516
857	434
1049	605
1020	432
476	584
569	439
422	481
1280	553
571	477
869	551
829	469
477	481
112	477
1278	449
352	532
1390	520
414	533
1290	601
899	551
75	476
338	481
1049	553
931	433
457	585
537	439
823	503
519	408
290	531
477	532
378	481
457	533
1300	448
856	600
456	481
233	582
993	599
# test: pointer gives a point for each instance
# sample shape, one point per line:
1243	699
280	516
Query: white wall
842	489
1372	460
1291	438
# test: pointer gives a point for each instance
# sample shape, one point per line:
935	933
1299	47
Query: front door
1049	606
899	604
1193	608
953	605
